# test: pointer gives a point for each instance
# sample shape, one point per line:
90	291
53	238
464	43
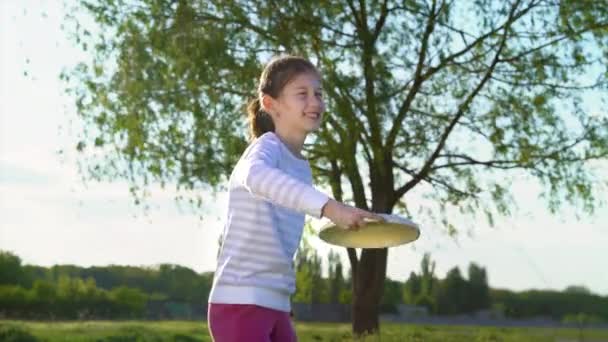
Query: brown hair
277	73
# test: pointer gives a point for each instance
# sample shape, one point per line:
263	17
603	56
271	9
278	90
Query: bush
184	338
581	319
11	333
132	334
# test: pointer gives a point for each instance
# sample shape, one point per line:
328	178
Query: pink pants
251	323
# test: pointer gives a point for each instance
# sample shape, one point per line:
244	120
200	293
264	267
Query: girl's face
300	105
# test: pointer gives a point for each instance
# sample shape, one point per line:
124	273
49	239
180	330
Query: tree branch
461	110
419	77
390	142
351	5
472	161
432	180
548	85
380	22
354	264
335	179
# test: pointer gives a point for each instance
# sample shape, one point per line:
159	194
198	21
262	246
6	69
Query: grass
194	331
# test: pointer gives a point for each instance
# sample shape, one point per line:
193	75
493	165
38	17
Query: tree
578	289
335	276
310	285
392	295
452	293
45	297
129	302
477	288
346	293
428	280
454	98
422	289
411	289
179	282
11	270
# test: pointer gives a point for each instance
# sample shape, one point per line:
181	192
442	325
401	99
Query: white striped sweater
270	191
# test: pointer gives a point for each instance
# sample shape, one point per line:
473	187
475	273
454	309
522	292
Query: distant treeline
71	292
119	292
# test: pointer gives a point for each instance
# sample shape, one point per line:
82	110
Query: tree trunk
368	284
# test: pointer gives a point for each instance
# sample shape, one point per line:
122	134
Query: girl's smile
301	98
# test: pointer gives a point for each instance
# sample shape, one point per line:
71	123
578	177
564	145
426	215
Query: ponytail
260	122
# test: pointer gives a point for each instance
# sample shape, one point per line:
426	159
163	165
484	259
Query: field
188	331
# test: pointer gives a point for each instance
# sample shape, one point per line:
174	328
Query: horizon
156	267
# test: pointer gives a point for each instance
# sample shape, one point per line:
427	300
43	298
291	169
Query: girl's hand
346	216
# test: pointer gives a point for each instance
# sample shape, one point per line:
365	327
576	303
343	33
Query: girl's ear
267	104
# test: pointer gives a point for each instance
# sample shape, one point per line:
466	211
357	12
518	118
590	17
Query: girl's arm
260	175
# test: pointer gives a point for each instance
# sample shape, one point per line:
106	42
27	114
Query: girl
270	191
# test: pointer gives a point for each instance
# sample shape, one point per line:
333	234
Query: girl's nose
318	103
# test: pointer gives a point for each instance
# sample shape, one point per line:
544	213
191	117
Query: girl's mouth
314	115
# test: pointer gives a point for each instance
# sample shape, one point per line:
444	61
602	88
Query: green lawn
187	331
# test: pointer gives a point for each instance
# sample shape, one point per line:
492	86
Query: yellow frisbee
394	231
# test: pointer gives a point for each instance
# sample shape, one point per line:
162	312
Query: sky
49	216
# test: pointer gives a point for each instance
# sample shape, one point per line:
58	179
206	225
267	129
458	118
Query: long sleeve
260	175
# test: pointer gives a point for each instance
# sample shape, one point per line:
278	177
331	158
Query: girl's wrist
326	207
